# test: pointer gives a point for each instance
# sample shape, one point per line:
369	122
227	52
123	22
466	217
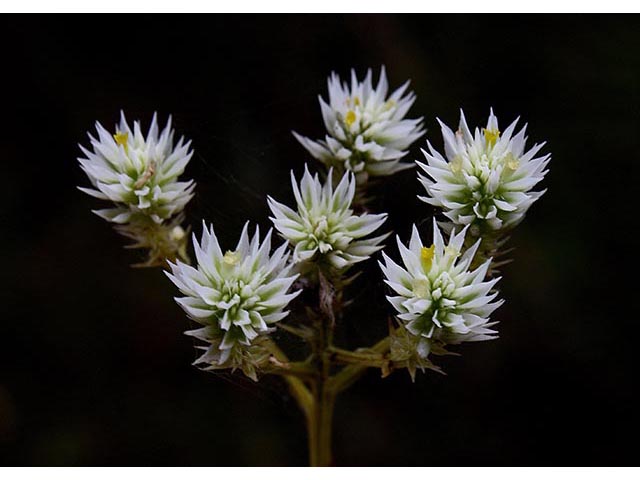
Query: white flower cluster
366	130
137	173
439	300
443	293
235	295
486	179
324	228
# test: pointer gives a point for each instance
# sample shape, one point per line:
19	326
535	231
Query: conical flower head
323	227
438	298
235	295
139	174
366	130
486	179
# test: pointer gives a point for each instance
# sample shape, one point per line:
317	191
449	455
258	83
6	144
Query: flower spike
438	298
367	133
138	174
485	181
235	295
323	228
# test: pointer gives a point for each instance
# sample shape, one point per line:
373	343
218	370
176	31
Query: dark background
94	368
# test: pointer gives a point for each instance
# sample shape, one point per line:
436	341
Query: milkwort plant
442	292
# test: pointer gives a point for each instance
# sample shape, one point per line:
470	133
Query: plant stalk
320	424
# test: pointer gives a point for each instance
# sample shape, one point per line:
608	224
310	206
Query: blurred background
94	368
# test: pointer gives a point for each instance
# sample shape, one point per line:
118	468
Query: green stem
298	389
317	396
300	393
320	423
302	370
348	375
368	358
325	423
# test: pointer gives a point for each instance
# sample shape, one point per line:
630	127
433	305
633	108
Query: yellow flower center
451	251
122	138
491	136
231	258
421	288
426	256
512	162
356	101
456	164
349	118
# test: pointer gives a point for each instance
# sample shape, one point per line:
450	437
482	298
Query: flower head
439	300
366	130
139	174
324	228
235	295
486	179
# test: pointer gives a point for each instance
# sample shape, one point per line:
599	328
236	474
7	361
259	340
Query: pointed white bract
137	173
235	295
439	300
366	130
323	228
485	181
